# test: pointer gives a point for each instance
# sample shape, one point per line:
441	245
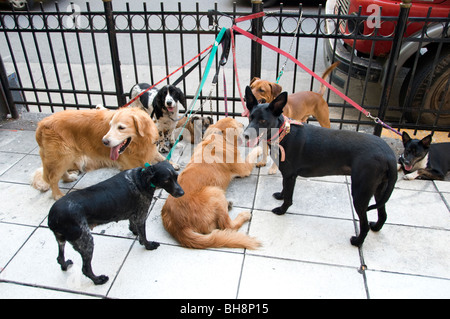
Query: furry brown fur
200	218
90	139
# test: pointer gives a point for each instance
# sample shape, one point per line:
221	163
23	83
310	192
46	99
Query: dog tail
325	76
38	181
392	179
217	238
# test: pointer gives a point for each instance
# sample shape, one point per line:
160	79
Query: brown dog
200	219
91	139
300	105
196	127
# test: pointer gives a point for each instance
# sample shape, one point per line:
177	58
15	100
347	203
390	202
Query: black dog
421	159
127	195
311	151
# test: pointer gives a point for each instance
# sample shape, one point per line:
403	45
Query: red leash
151	87
305	68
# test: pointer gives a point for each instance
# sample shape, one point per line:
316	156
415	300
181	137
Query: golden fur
75	140
200	219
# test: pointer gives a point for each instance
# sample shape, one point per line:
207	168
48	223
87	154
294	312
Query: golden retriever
91	139
200	219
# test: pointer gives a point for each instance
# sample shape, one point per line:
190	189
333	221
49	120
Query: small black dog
127	195
311	151
421	159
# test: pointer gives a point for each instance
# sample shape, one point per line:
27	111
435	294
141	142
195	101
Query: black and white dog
162	105
421	159
127	195
310	151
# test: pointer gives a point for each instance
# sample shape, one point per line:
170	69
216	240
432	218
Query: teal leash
200	87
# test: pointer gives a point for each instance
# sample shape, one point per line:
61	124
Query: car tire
432	99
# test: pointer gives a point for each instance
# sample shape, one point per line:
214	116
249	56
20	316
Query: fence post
256	49
392	63
7	93
114	52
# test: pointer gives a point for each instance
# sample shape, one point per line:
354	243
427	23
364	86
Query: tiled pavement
306	253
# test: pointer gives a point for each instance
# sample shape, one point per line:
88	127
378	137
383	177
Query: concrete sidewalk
306	253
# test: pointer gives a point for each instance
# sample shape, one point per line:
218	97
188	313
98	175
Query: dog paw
375	227
273	169
100	280
411	176
245	216
151	245
278	195
66	264
355	241
261	164
278	211
70	177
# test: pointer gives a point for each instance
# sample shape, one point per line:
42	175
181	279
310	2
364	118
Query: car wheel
434	101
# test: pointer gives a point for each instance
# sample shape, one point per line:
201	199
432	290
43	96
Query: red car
390	8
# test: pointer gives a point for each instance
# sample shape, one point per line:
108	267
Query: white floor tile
175	272
409	250
269	278
305	238
36	263
384	285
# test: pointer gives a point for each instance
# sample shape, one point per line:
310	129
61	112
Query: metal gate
80	58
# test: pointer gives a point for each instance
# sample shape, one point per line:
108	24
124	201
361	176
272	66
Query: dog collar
284	130
148	165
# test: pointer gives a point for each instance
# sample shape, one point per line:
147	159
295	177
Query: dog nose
105	141
169	103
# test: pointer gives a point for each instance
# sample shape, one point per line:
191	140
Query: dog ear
276	89
250	99
140	125
148	173
254	80
405	138
277	105
209	120
182	98
158	104
426	141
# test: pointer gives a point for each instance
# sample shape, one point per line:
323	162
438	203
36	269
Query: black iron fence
79	58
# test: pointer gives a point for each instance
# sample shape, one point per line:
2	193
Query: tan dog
300	105
196	127
91	139
200	219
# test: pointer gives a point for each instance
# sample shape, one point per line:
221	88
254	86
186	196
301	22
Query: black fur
431	161
127	195
316	151
145	99
159	105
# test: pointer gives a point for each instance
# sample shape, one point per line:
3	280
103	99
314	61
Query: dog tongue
114	154
408	167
